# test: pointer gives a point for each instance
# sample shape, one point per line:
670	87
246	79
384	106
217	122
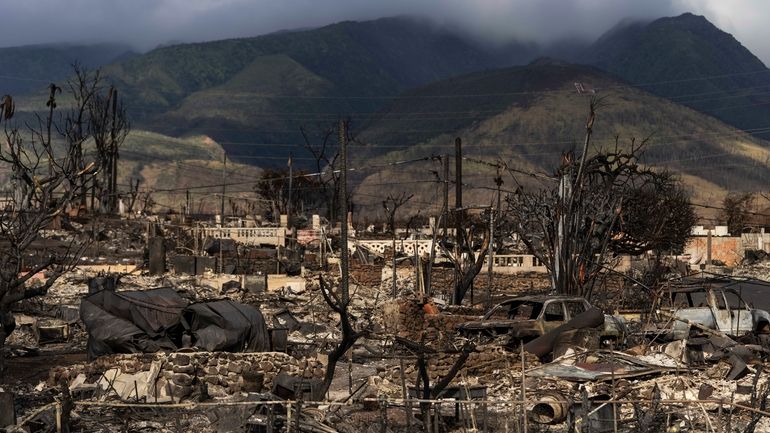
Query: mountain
174	167
254	94
28	68
526	117
689	60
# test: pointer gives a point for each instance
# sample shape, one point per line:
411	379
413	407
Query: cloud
146	23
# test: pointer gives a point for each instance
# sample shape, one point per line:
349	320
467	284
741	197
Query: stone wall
407	318
176	376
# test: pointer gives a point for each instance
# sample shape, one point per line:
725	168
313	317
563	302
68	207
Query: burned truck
703	309
523	319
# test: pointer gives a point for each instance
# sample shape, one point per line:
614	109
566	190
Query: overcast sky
147	23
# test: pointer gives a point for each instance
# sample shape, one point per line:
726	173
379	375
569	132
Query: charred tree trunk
340	303
7	324
468	274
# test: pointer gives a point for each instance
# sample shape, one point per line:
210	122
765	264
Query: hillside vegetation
172	166
527	116
253	93
689	60
26	69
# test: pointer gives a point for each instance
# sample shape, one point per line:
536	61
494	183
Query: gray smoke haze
147	23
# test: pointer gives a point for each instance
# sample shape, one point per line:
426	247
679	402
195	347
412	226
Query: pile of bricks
407	318
366	275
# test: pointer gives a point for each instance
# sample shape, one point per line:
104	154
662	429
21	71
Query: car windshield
524	310
516	310
689	299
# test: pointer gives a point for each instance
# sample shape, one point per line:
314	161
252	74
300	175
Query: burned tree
49	174
599	205
327	165
473	239
109	128
339	302
737	211
391	205
273	188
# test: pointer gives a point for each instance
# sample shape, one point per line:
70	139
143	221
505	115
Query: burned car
525	318
718	309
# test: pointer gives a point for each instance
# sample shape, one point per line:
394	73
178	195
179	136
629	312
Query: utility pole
288	205
113	199
446	193
224	186
458	216
499	183
344	259
222	211
490	255
459	181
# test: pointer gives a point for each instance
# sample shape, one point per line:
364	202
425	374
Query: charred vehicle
525	318
718	309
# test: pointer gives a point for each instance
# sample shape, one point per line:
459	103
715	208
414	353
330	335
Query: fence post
58	417
299	413
436	416
383	403
407	403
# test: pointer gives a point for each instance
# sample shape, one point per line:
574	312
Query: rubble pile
486	364
679	353
418	320
175	376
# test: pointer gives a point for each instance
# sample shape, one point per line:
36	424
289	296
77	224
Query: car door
553	316
740	315
722	314
575	308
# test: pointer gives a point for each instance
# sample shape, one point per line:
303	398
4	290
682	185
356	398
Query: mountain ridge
689	60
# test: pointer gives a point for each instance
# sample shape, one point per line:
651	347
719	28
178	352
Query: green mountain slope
527	116
259	91
690	61
28	68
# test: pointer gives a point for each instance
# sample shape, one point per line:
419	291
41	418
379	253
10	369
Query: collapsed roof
161	320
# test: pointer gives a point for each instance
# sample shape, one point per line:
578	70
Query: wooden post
344	205
383	403
429	273
288	203
490	256
445	210
224	188
523	389
58	418
395	290
299	414
708	248
458	213
113	198
418	270
407	403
